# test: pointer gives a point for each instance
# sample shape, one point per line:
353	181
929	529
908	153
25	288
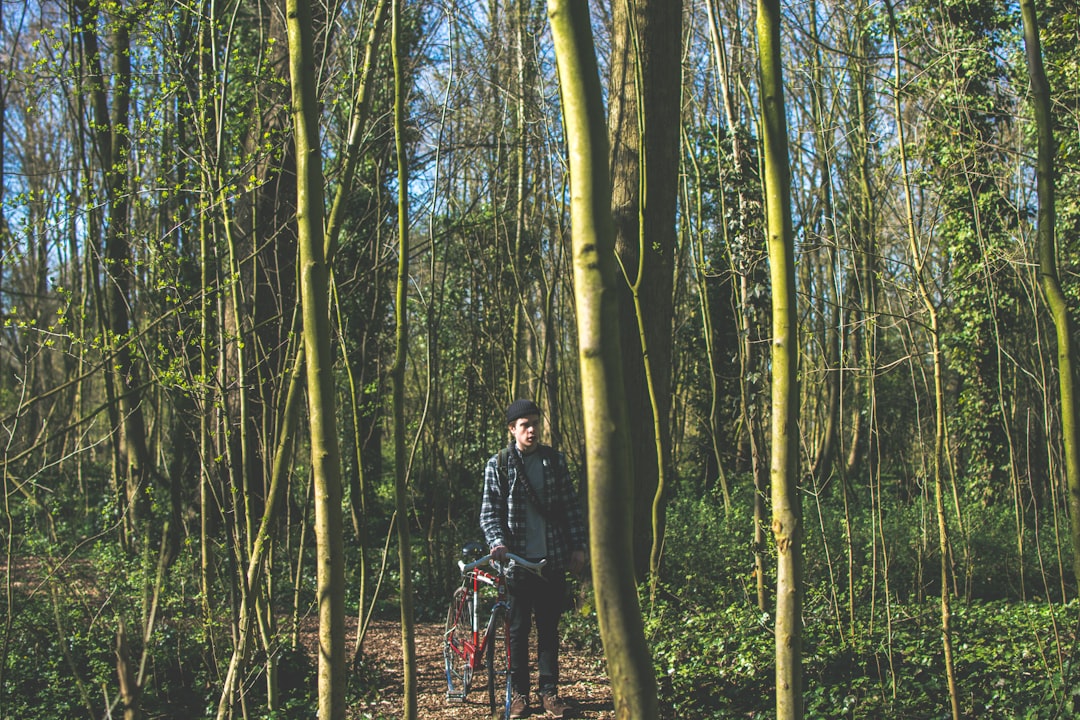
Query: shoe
519	706
555	705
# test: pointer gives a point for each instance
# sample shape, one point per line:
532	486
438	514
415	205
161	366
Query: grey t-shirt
535	525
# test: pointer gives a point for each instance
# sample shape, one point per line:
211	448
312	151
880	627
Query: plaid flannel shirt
502	513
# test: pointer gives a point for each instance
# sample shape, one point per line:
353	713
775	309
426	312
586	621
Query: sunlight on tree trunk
787	515
607	446
408	644
149	266
314	289
1048	272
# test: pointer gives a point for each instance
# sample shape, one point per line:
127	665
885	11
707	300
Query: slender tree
926	297
397	373
607	441
786	512
204	63
357	124
112	145
315	298
5	375
1049	281
257	565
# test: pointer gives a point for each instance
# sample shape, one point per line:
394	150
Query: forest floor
583	680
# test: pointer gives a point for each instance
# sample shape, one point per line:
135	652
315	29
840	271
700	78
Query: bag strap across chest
530	491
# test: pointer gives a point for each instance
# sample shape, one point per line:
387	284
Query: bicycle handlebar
535	567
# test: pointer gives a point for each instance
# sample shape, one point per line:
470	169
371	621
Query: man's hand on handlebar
507	560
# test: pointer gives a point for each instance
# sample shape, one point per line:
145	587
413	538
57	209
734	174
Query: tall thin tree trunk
262	542
333	230
787	515
1048	272
825	452
701	279
129	690
205	74
6	379
939	387
633	683
315	299
408	644
112	139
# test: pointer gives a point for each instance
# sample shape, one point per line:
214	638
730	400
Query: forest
795	284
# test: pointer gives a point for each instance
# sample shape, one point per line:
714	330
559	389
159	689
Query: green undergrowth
872	646
872	641
1012	660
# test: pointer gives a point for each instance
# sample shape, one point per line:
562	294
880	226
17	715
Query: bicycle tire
458	647
498	662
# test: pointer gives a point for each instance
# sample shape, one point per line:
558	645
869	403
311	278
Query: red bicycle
468	646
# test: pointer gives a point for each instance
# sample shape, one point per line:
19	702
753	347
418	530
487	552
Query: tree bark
633	683
125	673
314	293
397	373
787	515
1049	280
644	98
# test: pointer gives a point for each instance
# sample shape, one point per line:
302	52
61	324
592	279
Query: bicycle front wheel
498	663
459	646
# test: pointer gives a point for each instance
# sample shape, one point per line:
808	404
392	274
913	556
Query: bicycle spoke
458	646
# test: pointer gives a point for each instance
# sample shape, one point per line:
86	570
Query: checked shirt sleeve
493	508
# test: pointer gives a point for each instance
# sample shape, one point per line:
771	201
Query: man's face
526	432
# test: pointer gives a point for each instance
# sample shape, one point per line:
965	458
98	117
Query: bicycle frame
465	648
473	649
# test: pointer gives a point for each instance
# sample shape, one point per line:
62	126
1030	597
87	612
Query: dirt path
583	680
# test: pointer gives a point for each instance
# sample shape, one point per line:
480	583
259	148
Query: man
530	508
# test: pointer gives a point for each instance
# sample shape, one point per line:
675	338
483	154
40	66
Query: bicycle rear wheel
498	663
458	645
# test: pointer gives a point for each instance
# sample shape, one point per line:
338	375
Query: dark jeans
542	597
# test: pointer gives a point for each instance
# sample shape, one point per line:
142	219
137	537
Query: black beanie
519	409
